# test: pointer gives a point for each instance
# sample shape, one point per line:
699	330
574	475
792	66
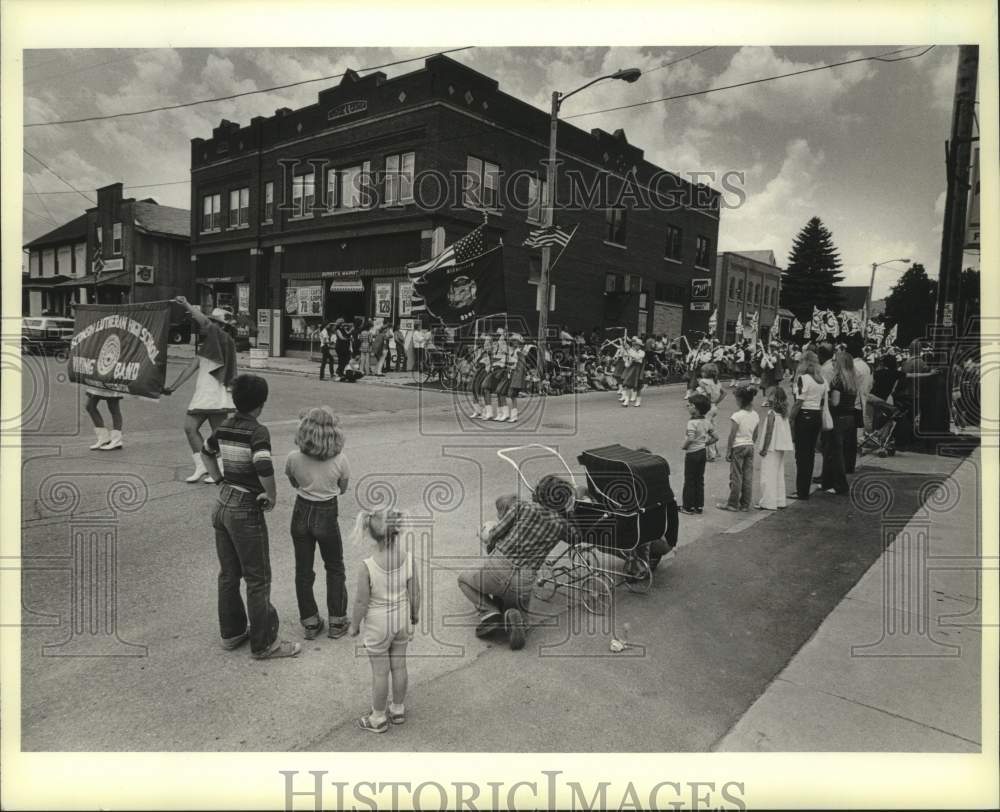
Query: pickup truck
46	334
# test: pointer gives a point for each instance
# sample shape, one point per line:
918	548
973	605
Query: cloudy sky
860	146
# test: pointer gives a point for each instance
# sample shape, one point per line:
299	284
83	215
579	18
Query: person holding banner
105	441
215	364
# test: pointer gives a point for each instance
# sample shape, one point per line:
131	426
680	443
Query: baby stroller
881	441
629	513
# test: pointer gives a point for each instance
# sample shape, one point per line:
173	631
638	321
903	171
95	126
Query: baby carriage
626	509
881	441
629	513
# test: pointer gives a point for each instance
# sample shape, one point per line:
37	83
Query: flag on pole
890	337
755	322
713	321
739	324
806	332
548	235
817	324
796	326
832	325
471	245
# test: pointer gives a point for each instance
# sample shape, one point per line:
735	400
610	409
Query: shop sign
405	298
701	290
701	305
100	265
243	298
406	325
145	275
263	328
383	300
211	280
304	301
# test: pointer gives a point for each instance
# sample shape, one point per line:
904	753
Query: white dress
209	396
772	467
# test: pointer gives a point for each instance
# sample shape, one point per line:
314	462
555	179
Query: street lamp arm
628	75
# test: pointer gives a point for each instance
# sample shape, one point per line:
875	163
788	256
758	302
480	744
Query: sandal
281	649
396	718
365	723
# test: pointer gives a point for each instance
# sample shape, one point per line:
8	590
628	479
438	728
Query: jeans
694	479
400	357
327	359
498	586
741	477
315	523
834	470
343	358
241	544
807	427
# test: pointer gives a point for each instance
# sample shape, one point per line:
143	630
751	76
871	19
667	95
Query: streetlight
626	75
871	285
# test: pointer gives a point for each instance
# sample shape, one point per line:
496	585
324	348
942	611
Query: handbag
826	417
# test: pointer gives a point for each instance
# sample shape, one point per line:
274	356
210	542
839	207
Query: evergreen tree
910	304
813	272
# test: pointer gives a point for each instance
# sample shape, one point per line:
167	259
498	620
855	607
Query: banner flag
713	321
459	292
891	336
832	325
796	326
121	349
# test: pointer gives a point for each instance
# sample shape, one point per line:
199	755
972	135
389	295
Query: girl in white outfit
776	440
388	603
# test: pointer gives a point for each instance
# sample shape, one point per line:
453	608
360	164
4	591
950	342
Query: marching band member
517	369
481	363
634	362
497	377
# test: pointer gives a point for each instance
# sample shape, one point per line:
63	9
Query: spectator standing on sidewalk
365	347
343	334
806	418
326	342
841	443
739	450
380	350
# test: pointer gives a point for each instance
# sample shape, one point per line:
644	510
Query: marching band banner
121	348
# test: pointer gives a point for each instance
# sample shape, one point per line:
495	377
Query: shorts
103	395
494	380
478	380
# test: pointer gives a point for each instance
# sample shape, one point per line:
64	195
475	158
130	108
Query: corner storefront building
311	215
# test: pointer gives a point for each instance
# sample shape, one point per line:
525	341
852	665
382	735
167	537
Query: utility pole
958	162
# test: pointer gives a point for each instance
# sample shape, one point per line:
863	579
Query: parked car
46	334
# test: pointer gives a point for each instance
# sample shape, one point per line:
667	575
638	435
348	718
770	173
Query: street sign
701	290
144	275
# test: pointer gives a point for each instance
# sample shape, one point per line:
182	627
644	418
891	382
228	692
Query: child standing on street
319	471
777	440
388	602
739	450
699	434
709	386
247	491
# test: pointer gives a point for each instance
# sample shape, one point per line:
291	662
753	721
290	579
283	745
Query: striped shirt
245	448
526	534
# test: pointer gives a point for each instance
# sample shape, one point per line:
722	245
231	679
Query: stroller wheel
891	451
881	453
638	575
584	555
595	593
546	583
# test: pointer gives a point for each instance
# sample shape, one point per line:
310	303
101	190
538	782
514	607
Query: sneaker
488	624
231	643
365	723
281	648
724	506
688	511
699	511
311	632
514	621
337	629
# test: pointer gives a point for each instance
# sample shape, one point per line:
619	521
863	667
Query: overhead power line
679	59
50	169
125	186
876	58
238	95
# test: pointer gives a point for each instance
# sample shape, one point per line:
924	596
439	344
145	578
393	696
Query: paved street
743	596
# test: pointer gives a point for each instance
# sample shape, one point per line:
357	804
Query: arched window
732	287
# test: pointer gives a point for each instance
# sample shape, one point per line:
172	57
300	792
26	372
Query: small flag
891	336
739	324
755	322
832	325
817	324
548	235
471	245
796	326
713	321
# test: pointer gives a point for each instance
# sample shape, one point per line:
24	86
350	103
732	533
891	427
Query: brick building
313	214
746	282
120	250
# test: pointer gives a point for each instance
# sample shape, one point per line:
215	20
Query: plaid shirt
527	534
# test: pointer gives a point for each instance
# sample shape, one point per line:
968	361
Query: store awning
116	278
357	286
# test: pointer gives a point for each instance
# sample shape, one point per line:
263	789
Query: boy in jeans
699	434
247	490
740	449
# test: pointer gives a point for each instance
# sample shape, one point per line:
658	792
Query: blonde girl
776	441
319	472
387	601
709	386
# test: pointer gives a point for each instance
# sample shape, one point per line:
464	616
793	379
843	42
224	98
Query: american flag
548	235
468	247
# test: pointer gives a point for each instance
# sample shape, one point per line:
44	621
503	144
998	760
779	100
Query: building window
739	290
701	256
211	213
673	249
616	225
303	194
610	283
399	178
48	262
80	259
35	265
632	283
643	296
269	201
481	183
732	287
537	199
239	208
347	187
116	239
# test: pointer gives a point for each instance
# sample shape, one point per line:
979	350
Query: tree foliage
813	272
911	303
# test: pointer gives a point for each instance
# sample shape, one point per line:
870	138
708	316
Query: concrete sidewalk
897	665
